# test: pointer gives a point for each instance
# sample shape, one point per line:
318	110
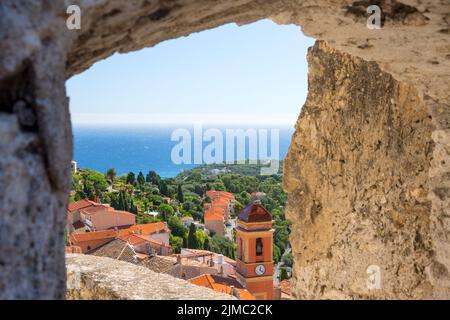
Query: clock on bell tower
254	259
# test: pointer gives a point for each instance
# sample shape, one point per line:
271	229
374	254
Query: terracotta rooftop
255	212
122	212
222	284
145	229
97	235
139	229
116	249
215	213
221	194
90	207
212	216
135	239
84	203
220	202
96	208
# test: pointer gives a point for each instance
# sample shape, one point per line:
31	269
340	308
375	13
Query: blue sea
144	148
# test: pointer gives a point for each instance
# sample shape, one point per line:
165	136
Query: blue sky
253	74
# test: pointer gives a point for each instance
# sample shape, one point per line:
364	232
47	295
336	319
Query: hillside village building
86	215
249	277
217	214
91	225
223	265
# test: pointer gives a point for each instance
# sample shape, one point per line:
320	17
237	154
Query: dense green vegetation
183	196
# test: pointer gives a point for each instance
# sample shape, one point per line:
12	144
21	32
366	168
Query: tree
122	203
153	178
198	189
132	208
206	244
244	198
111	174
201	238
165	210
288	260
276	254
88	190
237	207
163	188
192	241
176	243
94	183
176	226
207	199
140	179
144	219
180	196
223	245
283	274
131	179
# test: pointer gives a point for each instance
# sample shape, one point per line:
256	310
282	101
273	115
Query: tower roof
255	212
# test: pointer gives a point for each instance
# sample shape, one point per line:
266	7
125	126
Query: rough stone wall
35	152
98	278
38	52
357	178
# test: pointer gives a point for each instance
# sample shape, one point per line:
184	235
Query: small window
259	247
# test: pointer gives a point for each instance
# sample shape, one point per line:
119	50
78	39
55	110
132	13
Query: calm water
141	148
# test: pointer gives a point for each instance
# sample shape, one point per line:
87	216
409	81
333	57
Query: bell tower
254	259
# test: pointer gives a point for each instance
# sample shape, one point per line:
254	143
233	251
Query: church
254	258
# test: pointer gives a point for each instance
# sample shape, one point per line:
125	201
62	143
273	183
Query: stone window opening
49	174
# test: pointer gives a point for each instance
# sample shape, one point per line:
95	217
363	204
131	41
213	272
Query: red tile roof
216	210
255	212
95	208
222	284
97	235
211	215
84	203
220	202
220	194
135	239
122	212
145	229
132	239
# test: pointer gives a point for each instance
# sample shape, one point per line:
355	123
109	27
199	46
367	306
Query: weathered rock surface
31	223
357	174
98	278
38	52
